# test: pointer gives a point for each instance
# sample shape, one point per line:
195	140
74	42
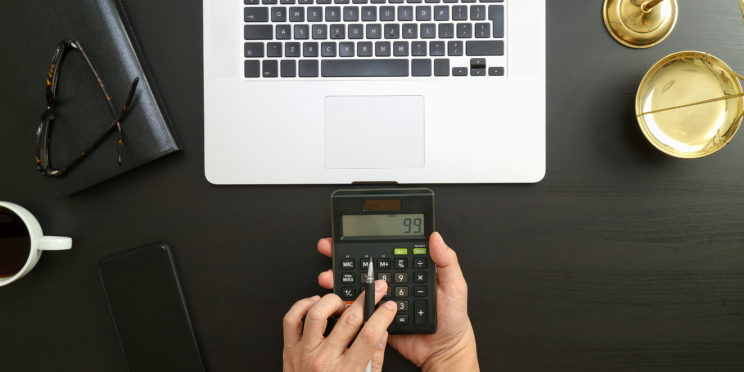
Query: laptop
345	91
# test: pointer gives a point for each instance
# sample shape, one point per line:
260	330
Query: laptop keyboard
373	38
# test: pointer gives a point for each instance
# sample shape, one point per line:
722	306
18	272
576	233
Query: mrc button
347	263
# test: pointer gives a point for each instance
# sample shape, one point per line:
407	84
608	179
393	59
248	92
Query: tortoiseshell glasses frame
43	132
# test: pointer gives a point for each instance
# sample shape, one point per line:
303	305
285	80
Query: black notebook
82	115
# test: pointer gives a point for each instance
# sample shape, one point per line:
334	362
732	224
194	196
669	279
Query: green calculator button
419	250
401	251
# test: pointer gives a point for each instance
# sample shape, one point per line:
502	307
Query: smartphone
147	306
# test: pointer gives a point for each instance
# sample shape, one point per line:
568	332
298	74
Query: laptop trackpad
374	132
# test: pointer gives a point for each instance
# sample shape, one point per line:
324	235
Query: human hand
307	350
452	347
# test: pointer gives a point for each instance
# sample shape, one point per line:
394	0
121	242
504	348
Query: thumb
449	274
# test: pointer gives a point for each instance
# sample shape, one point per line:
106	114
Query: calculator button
401	277
389	292
347	292
420	291
384	276
403	306
401	291
347	263
420	312
419	262
419	277
401	319
383	263
364	263
401	263
363	278
347	278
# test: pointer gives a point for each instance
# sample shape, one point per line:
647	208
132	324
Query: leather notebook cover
82	115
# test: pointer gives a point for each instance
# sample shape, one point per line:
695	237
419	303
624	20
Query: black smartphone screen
150	317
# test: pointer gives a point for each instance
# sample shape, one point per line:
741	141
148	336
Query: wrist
462	356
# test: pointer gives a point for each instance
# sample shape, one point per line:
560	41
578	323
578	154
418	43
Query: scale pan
689	104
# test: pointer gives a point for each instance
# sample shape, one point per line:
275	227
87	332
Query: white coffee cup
38	241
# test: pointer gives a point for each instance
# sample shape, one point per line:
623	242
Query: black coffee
15	243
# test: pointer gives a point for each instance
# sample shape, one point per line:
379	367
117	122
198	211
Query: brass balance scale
690	104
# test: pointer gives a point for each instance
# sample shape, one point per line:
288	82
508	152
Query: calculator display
370	225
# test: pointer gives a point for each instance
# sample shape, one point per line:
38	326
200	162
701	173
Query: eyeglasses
43	132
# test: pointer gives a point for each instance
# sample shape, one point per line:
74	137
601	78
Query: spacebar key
364	67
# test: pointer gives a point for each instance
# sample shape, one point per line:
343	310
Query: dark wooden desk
622	258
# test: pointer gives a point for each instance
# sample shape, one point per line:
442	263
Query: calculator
391	226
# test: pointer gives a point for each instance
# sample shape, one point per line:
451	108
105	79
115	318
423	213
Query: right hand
452	347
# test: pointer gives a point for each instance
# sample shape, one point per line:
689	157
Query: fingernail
390	305
315	298
380	285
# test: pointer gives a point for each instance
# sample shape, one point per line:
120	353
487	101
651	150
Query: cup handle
54	243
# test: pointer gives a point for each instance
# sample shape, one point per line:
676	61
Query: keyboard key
477	71
328	49
387	13
369	14
347	278
320	32
420	312
401	319
428	30
383	263
459	13
253	50
309	49
304	1
418	48
255	14
340	1
420	67
441	13
420	277
292	49
401	291
432	1
380	276
491	1
322	1
309	68
364	265
274	49
402	306
413	1
337	31
270	68
296	14
258	32
400	49
278	14
441	67
250	2
356	31
286	1
382	49
459	71
301	32
495	71
364	68
359	1
410	31
314	14
332	14
454	48
419	262
482	30
436	48
252	68
446	30
484	48
268	2
364	49
347	263
377	1
374	31
400	278
346	49
464	30
348	293
405	13
401	263
351	14
420	291
392	31
477	12
423	13
496	16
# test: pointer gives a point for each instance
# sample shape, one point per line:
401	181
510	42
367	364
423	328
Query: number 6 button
401	291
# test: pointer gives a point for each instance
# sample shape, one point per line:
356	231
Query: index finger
369	338
325	247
